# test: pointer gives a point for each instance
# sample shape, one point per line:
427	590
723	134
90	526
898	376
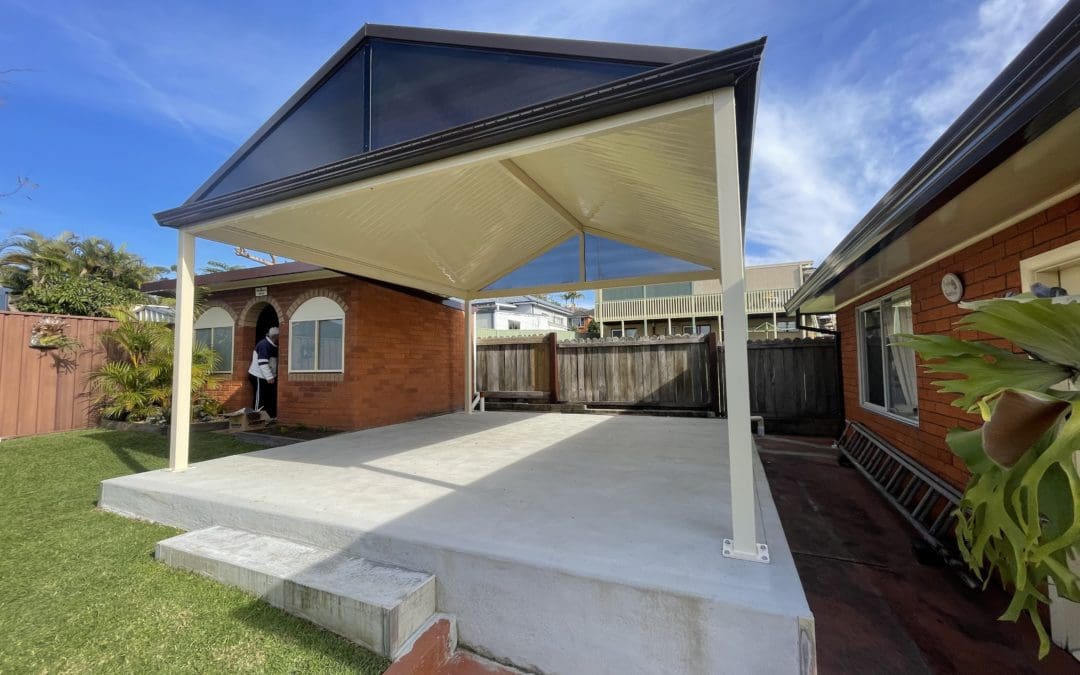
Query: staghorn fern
1019	517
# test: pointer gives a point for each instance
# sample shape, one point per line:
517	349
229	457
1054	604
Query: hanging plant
1019	517
49	333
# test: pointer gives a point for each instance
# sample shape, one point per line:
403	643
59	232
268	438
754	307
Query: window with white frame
317	337
214	329
887	371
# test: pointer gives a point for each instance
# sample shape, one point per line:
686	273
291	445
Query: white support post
646	328
775	329
743	543
669	325
183	339
693	324
470	351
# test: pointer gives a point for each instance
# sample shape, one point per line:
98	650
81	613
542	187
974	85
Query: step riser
382	629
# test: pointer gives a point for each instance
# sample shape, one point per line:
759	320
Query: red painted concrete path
877	610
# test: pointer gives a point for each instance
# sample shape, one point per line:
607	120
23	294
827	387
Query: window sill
316	376
878	410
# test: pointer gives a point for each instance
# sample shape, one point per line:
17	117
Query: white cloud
821	161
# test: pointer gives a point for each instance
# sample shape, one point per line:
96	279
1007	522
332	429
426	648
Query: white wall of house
520	316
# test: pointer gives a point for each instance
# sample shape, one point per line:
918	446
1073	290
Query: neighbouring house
4	295
581	319
695	307
991	208
155	313
521	313
355	352
479	166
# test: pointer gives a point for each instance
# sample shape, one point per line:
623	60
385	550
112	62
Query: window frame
223	322
879	305
318	309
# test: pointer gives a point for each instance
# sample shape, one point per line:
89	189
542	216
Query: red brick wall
988	269
404	355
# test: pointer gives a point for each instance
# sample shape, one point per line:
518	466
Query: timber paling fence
45	390
794	384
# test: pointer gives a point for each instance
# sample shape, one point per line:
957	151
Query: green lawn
80	591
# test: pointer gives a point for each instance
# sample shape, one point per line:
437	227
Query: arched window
317	337
214	329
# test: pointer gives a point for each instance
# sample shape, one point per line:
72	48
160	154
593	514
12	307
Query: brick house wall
988	269
404	355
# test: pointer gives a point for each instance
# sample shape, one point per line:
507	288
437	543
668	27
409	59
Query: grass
80	591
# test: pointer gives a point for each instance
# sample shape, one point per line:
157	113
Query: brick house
993	204
355	352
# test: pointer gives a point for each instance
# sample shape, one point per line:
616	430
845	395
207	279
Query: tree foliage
78	296
136	383
30	259
1019	517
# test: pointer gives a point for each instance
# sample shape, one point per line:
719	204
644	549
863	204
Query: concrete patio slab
563	543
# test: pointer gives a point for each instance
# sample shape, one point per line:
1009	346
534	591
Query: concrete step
378	606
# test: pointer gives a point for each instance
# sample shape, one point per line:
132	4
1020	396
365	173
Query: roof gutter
736	67
1038	89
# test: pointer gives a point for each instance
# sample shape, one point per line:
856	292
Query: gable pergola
638	178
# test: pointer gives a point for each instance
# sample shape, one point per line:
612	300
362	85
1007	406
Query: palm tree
30	257
136	382
571	298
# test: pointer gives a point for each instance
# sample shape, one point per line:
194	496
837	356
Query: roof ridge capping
1037	89
735	67
593	49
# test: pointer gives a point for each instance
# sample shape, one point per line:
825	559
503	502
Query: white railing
762	301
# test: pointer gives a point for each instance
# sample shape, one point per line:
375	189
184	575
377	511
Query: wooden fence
794	384
670	372
44	390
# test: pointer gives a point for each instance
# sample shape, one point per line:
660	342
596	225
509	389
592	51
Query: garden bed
159	428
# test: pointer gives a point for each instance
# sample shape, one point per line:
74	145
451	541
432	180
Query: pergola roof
614	183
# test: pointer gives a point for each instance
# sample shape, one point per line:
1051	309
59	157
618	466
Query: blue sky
119	109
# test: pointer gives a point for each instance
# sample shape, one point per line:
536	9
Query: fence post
712	368
553	365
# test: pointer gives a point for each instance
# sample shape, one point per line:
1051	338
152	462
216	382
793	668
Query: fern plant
136	383
1019	517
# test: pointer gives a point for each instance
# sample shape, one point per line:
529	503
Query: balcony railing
763	301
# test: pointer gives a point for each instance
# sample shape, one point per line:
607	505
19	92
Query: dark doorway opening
268	319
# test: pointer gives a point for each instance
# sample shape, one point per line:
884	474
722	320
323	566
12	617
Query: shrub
136	384
78	296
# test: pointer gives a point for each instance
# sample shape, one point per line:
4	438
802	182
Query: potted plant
1019	516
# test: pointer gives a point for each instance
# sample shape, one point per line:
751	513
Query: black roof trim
1038	89
589	49
644	54
735	67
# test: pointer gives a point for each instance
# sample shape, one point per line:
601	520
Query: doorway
268	318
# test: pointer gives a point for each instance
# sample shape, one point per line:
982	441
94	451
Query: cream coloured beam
526	181
743	543
470	353
183	343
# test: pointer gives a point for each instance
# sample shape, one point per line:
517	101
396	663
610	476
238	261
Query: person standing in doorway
263	373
